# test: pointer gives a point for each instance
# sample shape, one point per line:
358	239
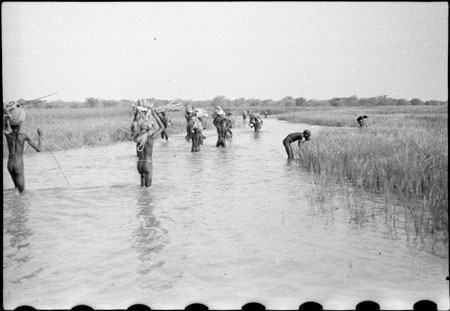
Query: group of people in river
148	123
194	132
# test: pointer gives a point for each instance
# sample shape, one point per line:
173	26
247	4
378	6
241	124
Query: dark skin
223	126
194	128
145	157
165	122
255	123
188	117
360	120
16	143
299	136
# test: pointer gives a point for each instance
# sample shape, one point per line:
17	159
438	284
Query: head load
189	110
14	112
218	111
255	117
142	122
197	112
13	115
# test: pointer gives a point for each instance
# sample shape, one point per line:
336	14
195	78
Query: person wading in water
165	121
144	136
12	118
299	136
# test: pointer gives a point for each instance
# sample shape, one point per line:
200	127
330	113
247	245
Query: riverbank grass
402	154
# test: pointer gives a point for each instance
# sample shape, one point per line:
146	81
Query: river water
222	227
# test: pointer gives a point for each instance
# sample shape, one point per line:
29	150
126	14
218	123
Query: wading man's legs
287	146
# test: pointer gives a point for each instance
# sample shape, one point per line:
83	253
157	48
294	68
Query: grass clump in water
402	155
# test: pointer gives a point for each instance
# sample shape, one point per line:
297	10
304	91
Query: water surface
223	227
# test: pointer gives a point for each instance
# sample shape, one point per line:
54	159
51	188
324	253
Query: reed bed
401	154
346	116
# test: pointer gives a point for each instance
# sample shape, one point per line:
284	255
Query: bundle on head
198	112
254	117
13	113
218	111
142	122
170	107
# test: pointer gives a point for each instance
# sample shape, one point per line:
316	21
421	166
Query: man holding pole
13	116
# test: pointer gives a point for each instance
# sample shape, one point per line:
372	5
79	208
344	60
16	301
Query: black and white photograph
222	155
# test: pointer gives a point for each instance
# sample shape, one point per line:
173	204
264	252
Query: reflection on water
15	217
400	219
150	238
224	226
15	221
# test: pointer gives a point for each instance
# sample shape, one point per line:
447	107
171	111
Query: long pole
56	160
59	166
33	100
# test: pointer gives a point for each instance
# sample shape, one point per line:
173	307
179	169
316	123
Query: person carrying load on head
13	117
144	131
223	124
188	114
194	117
220	114
255	122
360	120
13	110
299	136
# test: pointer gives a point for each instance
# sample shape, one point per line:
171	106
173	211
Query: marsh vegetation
403	152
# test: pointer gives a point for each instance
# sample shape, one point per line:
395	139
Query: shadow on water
15	220
150	238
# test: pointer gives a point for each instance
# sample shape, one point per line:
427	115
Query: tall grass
405	154
346	116
66	128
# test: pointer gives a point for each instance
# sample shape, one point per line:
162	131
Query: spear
33	100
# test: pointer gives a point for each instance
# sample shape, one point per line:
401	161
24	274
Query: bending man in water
16	143
360	120
144	148
299	136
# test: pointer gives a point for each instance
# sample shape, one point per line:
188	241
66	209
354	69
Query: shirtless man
165	121
255	122
360	120
16	143
144	148
299	136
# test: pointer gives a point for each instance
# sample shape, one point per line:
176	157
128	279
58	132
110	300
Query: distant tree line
287	101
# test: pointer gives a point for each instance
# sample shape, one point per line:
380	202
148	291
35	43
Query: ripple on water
236	224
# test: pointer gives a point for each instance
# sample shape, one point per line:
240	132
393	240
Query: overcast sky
193	50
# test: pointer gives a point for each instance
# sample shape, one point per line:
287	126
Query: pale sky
197	50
